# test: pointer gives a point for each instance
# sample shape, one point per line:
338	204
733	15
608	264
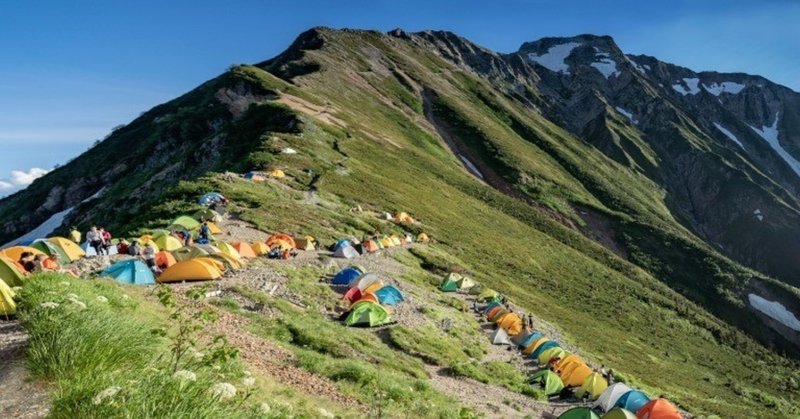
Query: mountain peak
559	54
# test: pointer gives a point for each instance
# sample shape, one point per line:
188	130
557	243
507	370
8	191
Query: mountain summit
649	210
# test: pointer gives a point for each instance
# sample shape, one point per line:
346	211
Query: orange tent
496	312
511	323
367	297
573	370
370	246
277	238
259	248
244	249
15	252
658	409
198	269
165	259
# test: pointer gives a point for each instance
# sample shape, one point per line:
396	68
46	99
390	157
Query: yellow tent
226	260
199	269
7	305
551	353
403	218
593	386
213	228
396	240
229	250
423	237
70	248
167	242
305	242
15	252
511	323
386	242
260	248
277	173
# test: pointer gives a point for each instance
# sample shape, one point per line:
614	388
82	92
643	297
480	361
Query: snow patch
770	135
96	195
43	230
627	114
553	59
605	65
691	87
471	166
642	68
724	87
775	310
729	134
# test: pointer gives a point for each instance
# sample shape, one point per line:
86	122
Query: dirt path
19	396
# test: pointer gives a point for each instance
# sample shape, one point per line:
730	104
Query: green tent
10	274
184	222
208	214
51	249
477	289
450	283
7	305
188	252
579	413
550	382
619	413
367	314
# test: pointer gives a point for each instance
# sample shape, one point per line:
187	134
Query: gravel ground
19	396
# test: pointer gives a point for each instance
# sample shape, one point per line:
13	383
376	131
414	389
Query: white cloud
20	179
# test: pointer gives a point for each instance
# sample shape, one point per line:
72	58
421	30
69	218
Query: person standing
106	235
75	235
95	240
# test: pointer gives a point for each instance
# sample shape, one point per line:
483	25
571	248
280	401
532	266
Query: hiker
229	177
27	262
204	236
95	240
50	263
75	235
38	263
122	247
610	376
149	257
134	249
106	236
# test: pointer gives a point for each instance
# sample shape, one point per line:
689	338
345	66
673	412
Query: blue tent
389	295
530	339
345	276
632	400
543	347
491	305
341	243
130	271
210	197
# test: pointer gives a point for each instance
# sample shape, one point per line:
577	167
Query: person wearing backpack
205	233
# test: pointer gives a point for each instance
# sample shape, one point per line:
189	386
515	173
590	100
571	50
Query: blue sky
70	71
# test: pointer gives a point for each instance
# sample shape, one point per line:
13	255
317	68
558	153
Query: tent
346	252
500	337
609	397
352	295
579	413
465	283
226	261
385	242
366	297
51	249
130	271
367	314
487	295
244	249
573	370
70	248
423	237
389	295
633	400
490	306
402	217
340	243
208	214
533	345
210	198
495	312
259	248
530	339
184	222
346	276
210	249
15	252
10	273
283	240
619	413
277	173
373	287
89	250
364	281
213	228
165	259
548	354
658	409
199	269
255	176
550	382
189	252
449	283
395	240
370	246
511	323
306	243
228	249
543	347
7	304
167	242
592	387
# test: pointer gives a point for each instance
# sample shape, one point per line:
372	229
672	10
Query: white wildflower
264	408
72	296
326	414
80	304
248	381
101	299
105	394
184	375
223	391
195	354
49	304
125	297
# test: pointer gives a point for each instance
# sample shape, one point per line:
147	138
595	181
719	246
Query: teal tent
389	295
130	272
530	339
543	347
632	400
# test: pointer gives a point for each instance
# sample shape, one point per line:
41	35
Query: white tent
610	396
346	252
500	337
364	281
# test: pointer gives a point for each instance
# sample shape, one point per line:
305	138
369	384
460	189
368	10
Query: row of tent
349	248
566	369
367	296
